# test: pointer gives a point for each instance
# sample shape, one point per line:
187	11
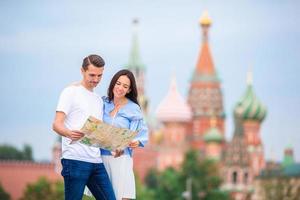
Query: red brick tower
205	95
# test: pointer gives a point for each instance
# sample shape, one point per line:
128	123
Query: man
82	165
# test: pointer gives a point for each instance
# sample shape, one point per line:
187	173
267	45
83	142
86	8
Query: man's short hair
93	59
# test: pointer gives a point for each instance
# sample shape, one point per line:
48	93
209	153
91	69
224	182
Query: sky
42	44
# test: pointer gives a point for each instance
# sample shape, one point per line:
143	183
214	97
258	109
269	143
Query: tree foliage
8	152
44	189
3	194
172	184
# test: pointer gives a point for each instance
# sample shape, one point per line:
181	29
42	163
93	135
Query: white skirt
120	172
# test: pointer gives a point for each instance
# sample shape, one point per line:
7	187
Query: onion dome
173	107
213	134
249	107
205	20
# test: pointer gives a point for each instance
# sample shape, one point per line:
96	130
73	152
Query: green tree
27	152
201	175
163	185
151	179
3	194
8	152
142	191
204	176
43	189
169	186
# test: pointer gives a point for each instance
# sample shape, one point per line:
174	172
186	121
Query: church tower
138	68
175	115
252	113
205	96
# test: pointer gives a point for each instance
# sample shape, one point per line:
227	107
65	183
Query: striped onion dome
173	107
249	107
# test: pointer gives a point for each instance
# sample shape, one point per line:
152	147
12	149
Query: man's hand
59	127
134	144
75	135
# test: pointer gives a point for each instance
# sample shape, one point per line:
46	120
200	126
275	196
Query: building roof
173	107
292	170
249	107
205	70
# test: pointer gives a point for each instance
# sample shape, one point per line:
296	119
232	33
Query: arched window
246	177
234	177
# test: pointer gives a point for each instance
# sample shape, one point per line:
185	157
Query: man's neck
86	87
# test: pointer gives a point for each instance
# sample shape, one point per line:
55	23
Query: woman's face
122	87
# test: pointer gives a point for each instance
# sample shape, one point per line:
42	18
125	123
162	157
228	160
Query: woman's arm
142	137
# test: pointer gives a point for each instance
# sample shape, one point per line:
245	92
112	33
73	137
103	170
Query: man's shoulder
72	86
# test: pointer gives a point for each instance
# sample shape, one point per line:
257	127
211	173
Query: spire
205	70
137	67
205	23
249	77
135	62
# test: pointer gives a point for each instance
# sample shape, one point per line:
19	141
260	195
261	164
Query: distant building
199	122
279	180
138	68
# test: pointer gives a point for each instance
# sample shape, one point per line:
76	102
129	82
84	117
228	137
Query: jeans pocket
65	172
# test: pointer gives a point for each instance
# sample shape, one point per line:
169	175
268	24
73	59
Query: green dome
249	107
213	135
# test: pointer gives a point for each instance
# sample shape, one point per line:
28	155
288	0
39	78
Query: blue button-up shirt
129	116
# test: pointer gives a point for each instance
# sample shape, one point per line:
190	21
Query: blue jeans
78	174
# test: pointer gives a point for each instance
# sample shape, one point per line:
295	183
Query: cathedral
198	122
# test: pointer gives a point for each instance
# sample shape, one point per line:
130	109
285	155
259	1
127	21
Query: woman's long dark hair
132	95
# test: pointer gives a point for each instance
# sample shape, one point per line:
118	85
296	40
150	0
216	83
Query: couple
107	176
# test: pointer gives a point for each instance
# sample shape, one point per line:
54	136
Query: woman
121	109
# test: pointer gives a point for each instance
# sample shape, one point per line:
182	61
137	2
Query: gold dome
205	20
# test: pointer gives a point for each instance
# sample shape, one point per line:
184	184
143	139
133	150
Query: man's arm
59	127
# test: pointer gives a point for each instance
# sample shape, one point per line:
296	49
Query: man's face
92	76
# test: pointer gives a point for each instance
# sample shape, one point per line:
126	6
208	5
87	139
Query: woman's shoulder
108	105
132	110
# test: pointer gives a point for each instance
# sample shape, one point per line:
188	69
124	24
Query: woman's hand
117	153
134	144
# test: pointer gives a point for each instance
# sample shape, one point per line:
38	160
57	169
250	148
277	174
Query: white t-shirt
78	104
